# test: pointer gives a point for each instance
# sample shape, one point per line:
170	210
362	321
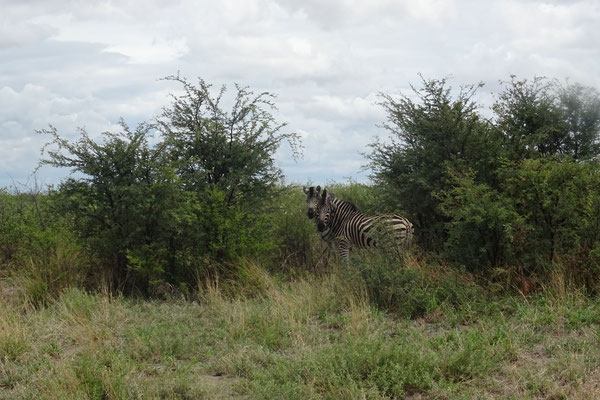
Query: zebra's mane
330	197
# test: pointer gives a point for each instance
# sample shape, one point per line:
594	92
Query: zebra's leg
402	246
408	241
327	250
344	250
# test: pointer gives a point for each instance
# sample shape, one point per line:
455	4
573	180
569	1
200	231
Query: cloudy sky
88	63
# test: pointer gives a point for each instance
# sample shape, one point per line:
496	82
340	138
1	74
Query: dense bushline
180	210
517	191
511	198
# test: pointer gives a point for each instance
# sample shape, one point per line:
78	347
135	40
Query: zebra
349	228
313	198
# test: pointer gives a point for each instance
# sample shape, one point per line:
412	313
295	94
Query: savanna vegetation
174	263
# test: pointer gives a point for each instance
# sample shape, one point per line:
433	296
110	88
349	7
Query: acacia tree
166	212
431	132
541	209
580	108
121	200
528	118
226	160
541	118
230	151
438	134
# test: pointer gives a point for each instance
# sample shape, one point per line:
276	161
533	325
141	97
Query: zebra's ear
304	189
324	196
318	189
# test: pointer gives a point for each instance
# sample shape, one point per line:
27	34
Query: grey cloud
331	15
73	63
21	32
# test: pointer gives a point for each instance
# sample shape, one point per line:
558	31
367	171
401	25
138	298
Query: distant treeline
514	193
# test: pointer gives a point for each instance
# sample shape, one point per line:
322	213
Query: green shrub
559	201
431	130
439	133
180	210
356	367
38	247
15	216
544	218
484	223
294	236
412	288
367	198
55	260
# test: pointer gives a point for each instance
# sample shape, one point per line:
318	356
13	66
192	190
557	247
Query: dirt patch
590	389
220	386
10	294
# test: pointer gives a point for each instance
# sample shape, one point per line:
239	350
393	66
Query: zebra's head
313	196
325	208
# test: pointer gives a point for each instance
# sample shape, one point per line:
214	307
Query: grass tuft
371	331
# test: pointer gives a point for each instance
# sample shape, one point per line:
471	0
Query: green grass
362	333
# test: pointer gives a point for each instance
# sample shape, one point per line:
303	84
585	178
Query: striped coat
313	200
350	228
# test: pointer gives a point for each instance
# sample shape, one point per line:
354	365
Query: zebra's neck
338	215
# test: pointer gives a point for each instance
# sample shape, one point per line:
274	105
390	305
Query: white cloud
35	107
73	63
541	25
337	14
348	109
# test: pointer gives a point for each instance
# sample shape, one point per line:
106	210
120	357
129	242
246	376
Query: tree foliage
184	207
544	212
122	197
580	108
231	151
520	188
431	132
515	187
541	118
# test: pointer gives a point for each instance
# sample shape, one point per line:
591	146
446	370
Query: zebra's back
364	231
350	228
